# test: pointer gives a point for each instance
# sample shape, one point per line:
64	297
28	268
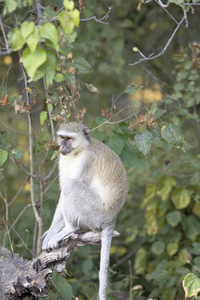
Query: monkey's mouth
65	152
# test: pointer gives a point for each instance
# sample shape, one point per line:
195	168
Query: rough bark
20	278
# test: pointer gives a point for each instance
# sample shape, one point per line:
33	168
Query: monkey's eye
70	139
61	137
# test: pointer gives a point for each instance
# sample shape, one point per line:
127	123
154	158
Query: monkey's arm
56	226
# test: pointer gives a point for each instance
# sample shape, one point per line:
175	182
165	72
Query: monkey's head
73	136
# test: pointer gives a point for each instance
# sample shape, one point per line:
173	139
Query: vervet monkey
94	188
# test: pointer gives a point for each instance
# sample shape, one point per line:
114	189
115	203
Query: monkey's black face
65	145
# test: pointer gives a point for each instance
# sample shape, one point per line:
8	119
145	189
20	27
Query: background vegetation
102	63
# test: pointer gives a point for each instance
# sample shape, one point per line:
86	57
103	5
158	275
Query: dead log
20	278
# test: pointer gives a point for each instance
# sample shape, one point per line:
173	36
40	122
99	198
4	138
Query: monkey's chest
70	168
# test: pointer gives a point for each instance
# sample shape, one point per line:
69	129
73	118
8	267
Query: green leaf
191	227
135	49
74	16
133	158
59	77
48	68
49	32
69	5
191	285
173	218
116	144
140	261
182	75
172	248
16	39
87	266
171	135
130	89
33	40
158	247
70	78
15	153
179	87
4	145
66	22
181	198
43	117
144	141
82	65
166	188
62	286
11	5
197	262
3	156
32	61
92	88
49	13
27	28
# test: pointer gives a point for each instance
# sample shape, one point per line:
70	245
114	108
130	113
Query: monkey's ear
87	132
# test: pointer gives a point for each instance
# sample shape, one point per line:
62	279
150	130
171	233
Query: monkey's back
108	172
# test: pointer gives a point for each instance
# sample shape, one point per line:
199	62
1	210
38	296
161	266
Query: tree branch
20	277
8	50
150	57
39	12
99	20
51	172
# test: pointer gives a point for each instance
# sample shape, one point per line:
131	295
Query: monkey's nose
64	150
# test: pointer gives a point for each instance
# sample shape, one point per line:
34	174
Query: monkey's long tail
106	239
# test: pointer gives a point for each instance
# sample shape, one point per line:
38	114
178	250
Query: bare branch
99	20
163	5
24	170
186	20
150	57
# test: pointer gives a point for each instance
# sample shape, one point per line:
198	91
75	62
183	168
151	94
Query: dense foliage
61	63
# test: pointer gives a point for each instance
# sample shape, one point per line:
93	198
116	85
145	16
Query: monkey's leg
81	208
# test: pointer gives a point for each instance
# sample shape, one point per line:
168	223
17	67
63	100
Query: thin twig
129	255
6	216
49	112
117	122
19	216
163	5
31	137
31	175
164	49
18	192
191	4
99	20
4	53
186	20
167	12
51	172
